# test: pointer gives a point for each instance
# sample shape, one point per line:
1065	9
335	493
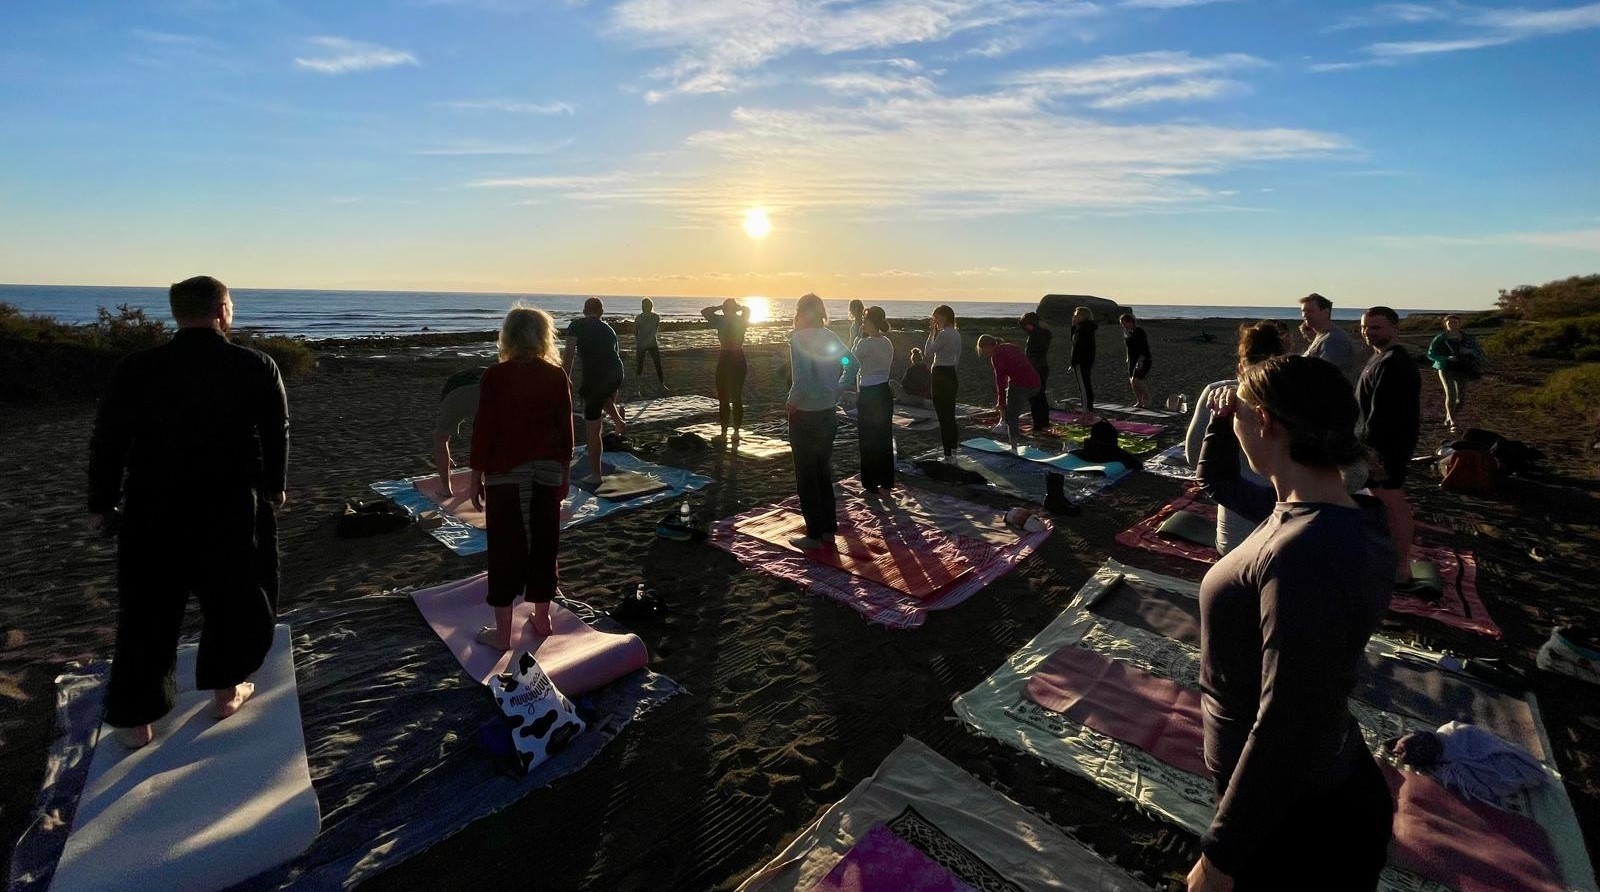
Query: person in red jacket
1015	381
521	460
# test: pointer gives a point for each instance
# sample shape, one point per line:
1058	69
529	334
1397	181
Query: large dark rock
1056	309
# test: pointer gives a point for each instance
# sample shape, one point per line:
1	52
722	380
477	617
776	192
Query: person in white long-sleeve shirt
874	354
943	351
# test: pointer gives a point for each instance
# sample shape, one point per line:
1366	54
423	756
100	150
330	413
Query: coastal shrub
291	354
1575	296
1575	390
1559	339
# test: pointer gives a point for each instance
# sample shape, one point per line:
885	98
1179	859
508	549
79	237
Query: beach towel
666	409
976	834
880	861
1137	412
577	658
906	518
1072	417
208	804
907	557
1063	462
461	526
749	445
1146	534
1170	462
1459	605
1467	846
1436	697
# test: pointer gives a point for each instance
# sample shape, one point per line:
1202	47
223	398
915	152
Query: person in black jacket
1038	350
1139	359
1083	327
1390	395
200	428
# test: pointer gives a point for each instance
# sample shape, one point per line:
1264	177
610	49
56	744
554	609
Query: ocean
343	314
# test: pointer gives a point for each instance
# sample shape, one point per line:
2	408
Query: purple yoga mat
880	861
1468	846
1137	428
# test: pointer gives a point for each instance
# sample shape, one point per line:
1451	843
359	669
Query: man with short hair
1390	396
590	339
1329	341
457	404
200	427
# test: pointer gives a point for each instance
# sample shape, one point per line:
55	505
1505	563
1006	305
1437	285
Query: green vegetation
1576	296
1556	320
1575	388
42	359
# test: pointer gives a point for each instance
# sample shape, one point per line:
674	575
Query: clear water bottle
683	513
638	593
1183	403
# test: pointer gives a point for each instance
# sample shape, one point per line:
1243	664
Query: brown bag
1469	471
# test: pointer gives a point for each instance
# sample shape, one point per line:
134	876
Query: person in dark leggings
730	320
874	354
646	331
1284	622
943	350
1083	330
816	358
1038	350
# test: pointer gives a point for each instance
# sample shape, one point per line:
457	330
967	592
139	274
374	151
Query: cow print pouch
542	720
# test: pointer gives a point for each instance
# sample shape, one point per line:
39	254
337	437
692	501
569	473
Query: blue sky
1156	151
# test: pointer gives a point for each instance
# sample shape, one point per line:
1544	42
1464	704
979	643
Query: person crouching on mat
816	361
1284	622
916	385
521	458
1015	381
874	354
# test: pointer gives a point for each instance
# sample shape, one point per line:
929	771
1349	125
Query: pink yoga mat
1137	428
1156	715
1143	534
880	861
1460	608
458	505
901	564
578	658
1468	846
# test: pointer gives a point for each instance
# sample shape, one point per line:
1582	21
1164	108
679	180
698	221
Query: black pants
732	368
811	443
1085	376
1040	402
875	421
638	365
524	521
1337	840
944	406
223	550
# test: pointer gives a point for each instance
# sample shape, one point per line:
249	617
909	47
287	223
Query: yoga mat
1459	607
990	555
918	418
977	834
1468	846
1060	461
1157	715
1136	412
1079	419
1145	534
208	804
664	409
883	862
1012	476
461	529
1436	697
623	486
1077	434
901	564
750	445
577	658
1170	462
1156	610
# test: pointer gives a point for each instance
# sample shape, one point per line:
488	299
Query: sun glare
760	309
756	223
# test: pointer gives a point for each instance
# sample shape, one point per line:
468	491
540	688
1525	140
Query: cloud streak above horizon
338	55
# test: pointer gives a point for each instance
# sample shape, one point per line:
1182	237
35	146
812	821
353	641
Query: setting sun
756	223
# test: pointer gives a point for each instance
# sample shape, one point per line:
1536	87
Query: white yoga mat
208	804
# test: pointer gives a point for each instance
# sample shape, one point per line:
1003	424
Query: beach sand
791	699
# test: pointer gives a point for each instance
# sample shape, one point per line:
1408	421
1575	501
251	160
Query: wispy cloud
474	148
995	47
1054	272
338	55
866	84
1142	78
1473	30
1386	14
1572	240
167	38
510	106
979	271
718	42
1167	4
893	274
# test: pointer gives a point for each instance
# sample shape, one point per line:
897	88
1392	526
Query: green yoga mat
1190	527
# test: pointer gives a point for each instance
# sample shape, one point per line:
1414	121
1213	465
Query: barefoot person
456	405
1139	359
943	349
1038	350
200	427
874	354
1083	349
521	456
1458	359
816	360
731	321
1390	394
1015	381
1284	622
646	327
592	341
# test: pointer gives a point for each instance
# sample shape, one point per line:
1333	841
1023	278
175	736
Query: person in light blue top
817	362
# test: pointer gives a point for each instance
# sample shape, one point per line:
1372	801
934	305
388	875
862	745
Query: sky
1422	155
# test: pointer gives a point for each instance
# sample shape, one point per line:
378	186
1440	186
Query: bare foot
540	623
489	636
134	738
227	701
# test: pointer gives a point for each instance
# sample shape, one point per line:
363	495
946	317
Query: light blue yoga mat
580	507
1060	461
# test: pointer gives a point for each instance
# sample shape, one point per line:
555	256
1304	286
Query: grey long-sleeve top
816	357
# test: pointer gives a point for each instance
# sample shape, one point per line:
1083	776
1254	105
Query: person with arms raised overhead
192	438
1328	340
1390	395
1038	350
1284	622
592	341
874	354
646	328
816	359
943	349
1083	350
731	320
1015	381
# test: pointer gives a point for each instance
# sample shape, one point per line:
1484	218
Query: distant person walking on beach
1390	396
943	349
730	320
592	341
1139	358
1329	341
1458	359
200	428
1284	622
816	358
521	458
874	354
456	405
1015	381
1038	350
646	328
1083	346
916	385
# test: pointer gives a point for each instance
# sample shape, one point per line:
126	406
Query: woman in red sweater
521	457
